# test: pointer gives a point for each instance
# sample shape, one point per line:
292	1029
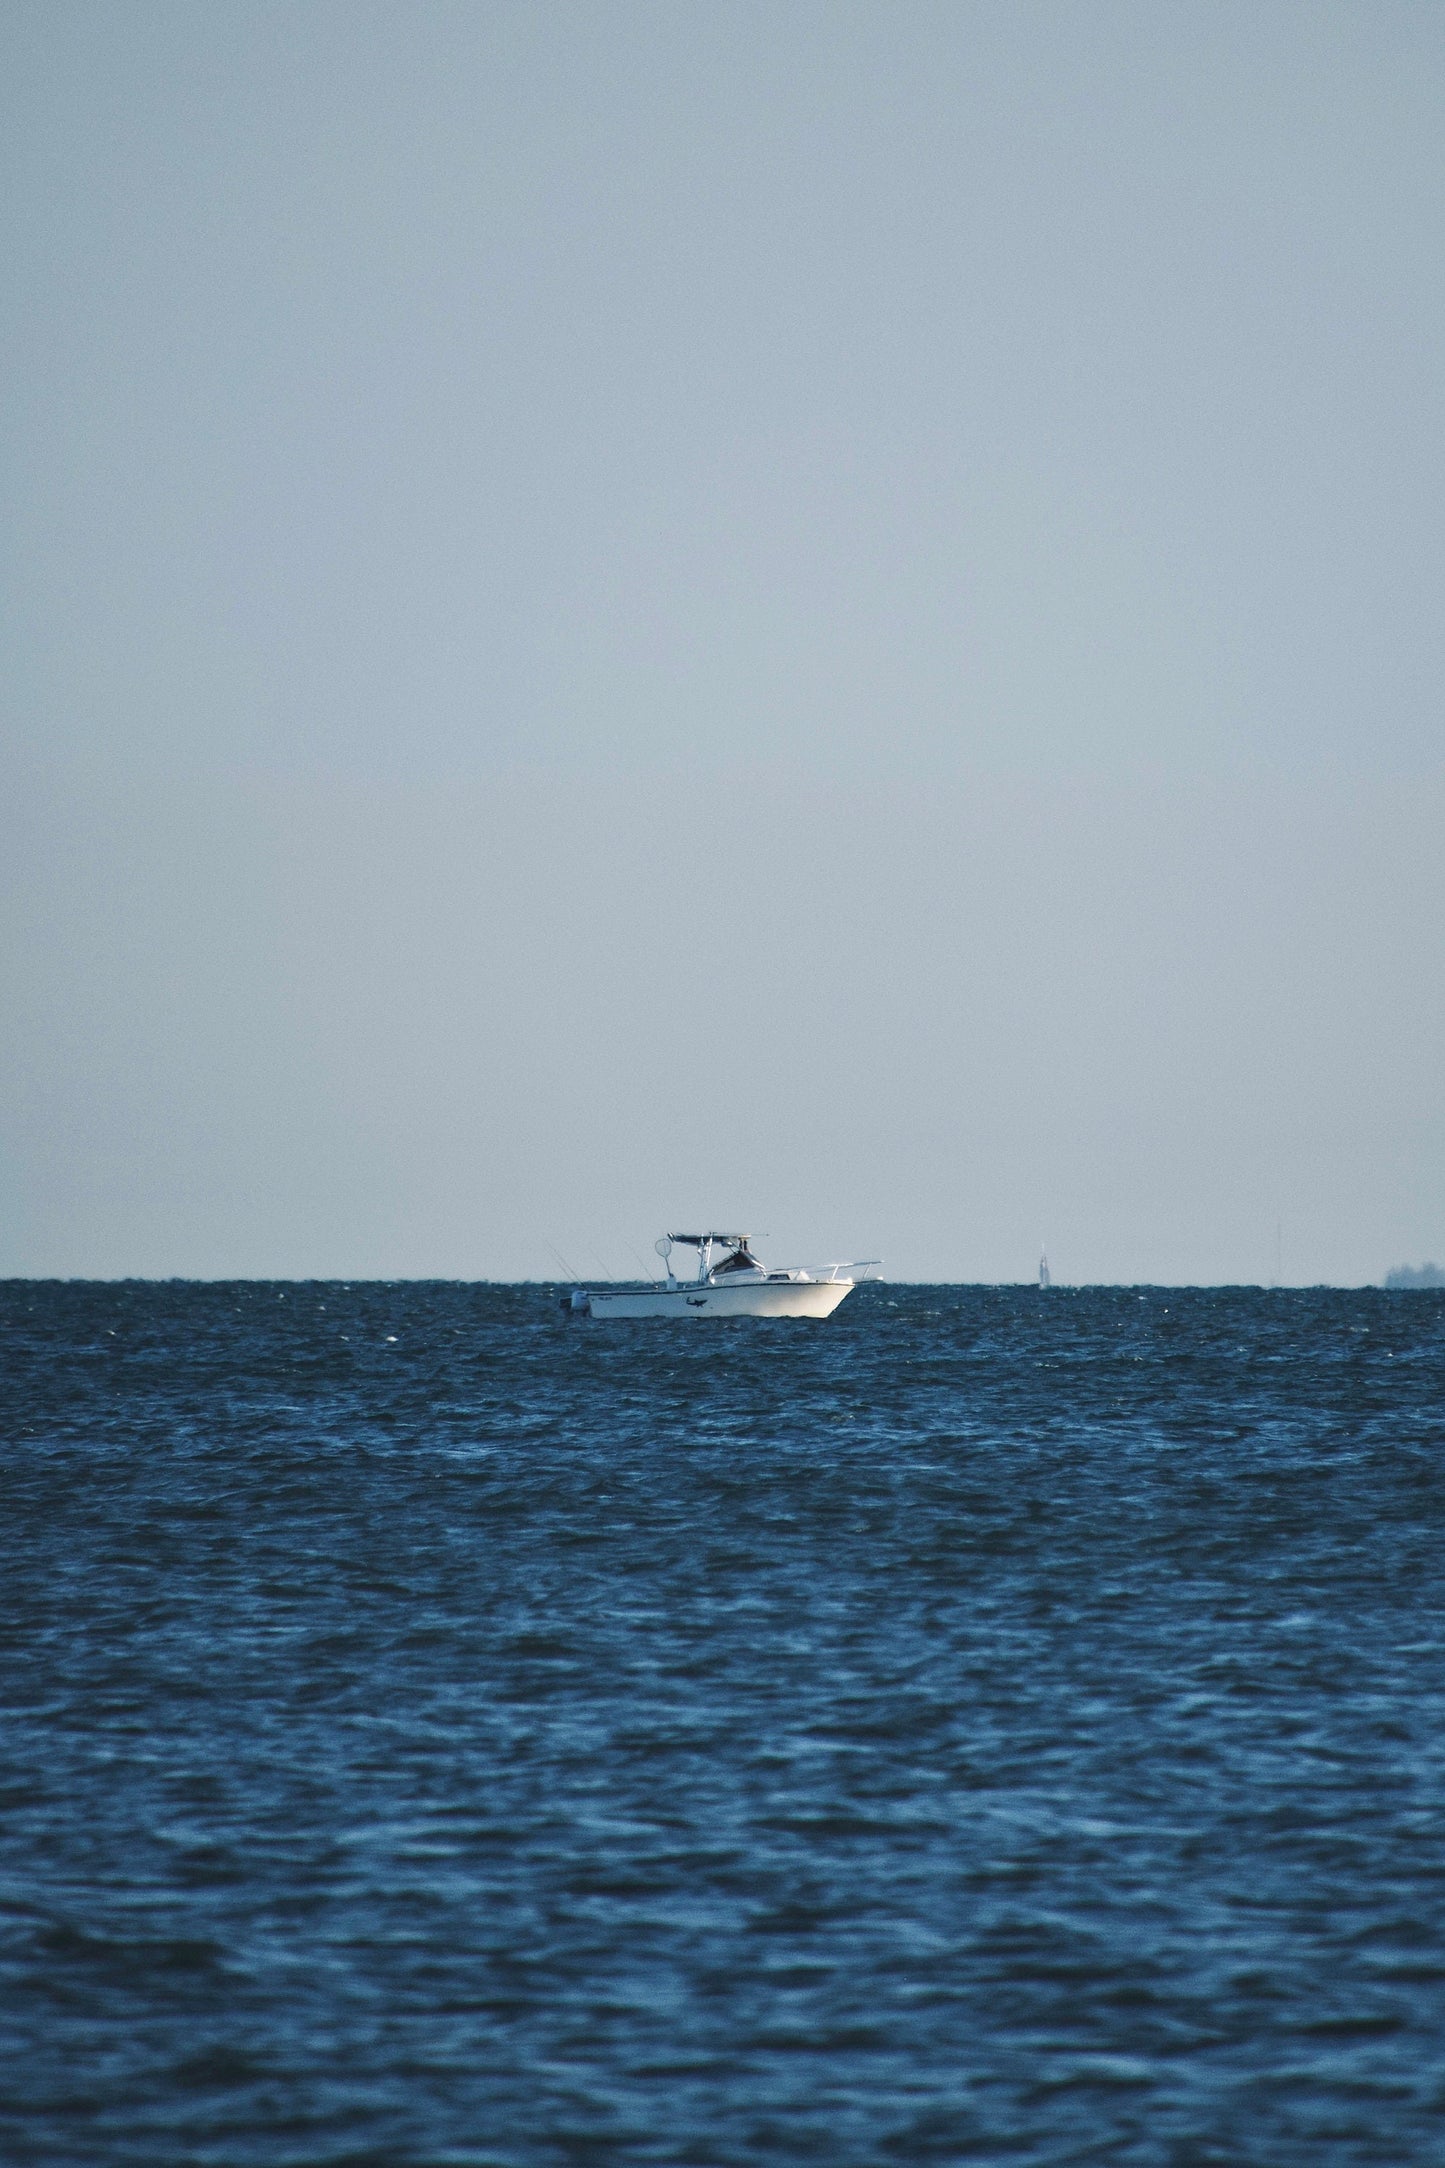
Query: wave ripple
986	1727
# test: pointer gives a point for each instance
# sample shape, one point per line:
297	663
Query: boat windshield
741	1260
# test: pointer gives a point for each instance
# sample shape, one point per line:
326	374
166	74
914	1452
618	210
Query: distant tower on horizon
1044	1280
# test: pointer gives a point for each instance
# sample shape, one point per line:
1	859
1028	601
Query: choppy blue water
985	1727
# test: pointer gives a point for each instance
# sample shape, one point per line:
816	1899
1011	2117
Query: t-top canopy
695	1242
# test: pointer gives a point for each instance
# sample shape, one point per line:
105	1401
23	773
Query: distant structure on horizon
1415	1276
1044	1280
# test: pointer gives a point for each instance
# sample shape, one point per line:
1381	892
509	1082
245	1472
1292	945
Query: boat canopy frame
737	1253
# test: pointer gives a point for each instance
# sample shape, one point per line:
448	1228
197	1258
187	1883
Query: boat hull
760	1298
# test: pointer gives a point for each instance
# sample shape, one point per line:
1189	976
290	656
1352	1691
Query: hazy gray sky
827	617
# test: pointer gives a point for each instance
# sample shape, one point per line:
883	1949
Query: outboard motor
579	1304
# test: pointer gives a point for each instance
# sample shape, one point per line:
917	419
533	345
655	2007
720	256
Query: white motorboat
735	1285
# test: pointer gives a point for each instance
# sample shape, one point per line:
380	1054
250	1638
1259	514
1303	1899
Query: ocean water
984	1727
